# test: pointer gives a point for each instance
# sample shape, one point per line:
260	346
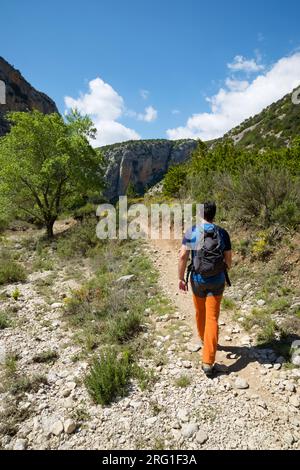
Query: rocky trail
252	402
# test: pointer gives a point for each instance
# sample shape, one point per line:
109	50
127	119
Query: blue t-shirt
193	237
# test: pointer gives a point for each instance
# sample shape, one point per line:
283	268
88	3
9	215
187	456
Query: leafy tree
175	180
46	163
131	191
251	196
223	156
6	212
198	157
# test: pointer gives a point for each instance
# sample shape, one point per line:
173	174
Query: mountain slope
274	127
20	95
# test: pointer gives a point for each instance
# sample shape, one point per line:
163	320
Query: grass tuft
48	356
5	322
183	381
10	270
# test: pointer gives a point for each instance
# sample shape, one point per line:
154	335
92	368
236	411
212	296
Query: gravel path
252	403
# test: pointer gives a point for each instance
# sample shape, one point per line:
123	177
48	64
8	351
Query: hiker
211	256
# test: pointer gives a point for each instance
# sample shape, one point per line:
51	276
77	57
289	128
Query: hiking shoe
208	369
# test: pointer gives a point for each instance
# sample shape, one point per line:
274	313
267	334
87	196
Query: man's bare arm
182	262
228	258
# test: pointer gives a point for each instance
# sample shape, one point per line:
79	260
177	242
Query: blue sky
158	68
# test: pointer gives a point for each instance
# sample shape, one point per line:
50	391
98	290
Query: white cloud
145	94
149	116
101	101
236	85
110	132
240	100
240	64
175	111
105	106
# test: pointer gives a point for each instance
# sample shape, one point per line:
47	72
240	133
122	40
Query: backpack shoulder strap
217	230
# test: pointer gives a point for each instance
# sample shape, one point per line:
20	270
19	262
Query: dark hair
209	211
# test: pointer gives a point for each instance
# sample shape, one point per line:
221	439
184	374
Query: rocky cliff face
141	163
20	95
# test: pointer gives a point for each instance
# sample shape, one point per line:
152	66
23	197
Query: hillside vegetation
276	126
252	187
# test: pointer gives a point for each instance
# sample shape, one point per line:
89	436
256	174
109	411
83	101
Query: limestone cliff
141	163
20	95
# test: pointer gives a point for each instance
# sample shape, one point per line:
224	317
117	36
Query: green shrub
43	262
228	304
242	247
124	327
22	383
142	265
267	333
4	320
145	377
109	376
80	415
250	195
16	294
6	211
16	383
46	357
175	180
11	364
278	305
88	210
262	319
131	192
11	416
261	247
288	213
4	222
183	381
158	444
78	240
87	303
10	270
273	281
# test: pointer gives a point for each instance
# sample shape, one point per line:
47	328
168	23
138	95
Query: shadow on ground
263	354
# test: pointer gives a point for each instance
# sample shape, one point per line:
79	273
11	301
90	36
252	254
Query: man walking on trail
211	256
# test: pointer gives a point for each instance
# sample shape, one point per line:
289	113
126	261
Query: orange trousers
207	315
